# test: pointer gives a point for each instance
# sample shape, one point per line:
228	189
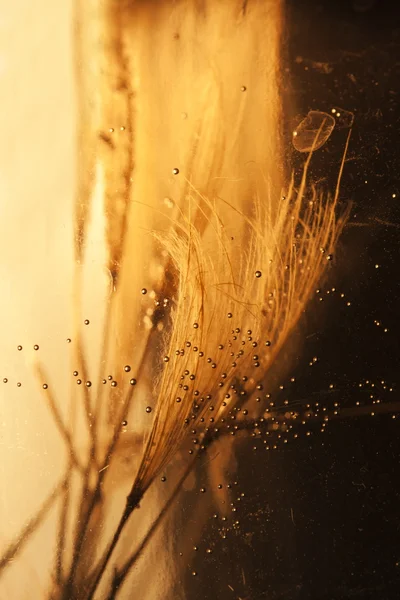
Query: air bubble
313	131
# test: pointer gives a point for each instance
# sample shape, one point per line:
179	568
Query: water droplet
313	131
258	274
75	373
163	479
148	409
5	380
175	171
68	340
18	384
45	386
168	202
144	291
243	88
114	384
124	423
86	321
88	384
79	381
127	368
19	348
36	347
133	382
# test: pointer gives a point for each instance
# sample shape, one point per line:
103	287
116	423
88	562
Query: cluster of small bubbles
36	347
86	321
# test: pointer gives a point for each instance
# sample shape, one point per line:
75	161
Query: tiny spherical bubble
194	573
68	340
45	386
86	321
127	368
195	325
124	423
163	479
104	381
114	384
19	384
148	409
203	490
19	348
267	343
144	291
88	384
109	377
75	373
79	381
175	171
329	257
243	88
258	274
133	382
36	347
166	359
229	315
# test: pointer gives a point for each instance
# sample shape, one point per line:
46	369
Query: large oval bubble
313	131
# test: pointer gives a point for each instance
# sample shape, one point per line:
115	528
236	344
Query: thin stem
121	574
16	547
132	502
